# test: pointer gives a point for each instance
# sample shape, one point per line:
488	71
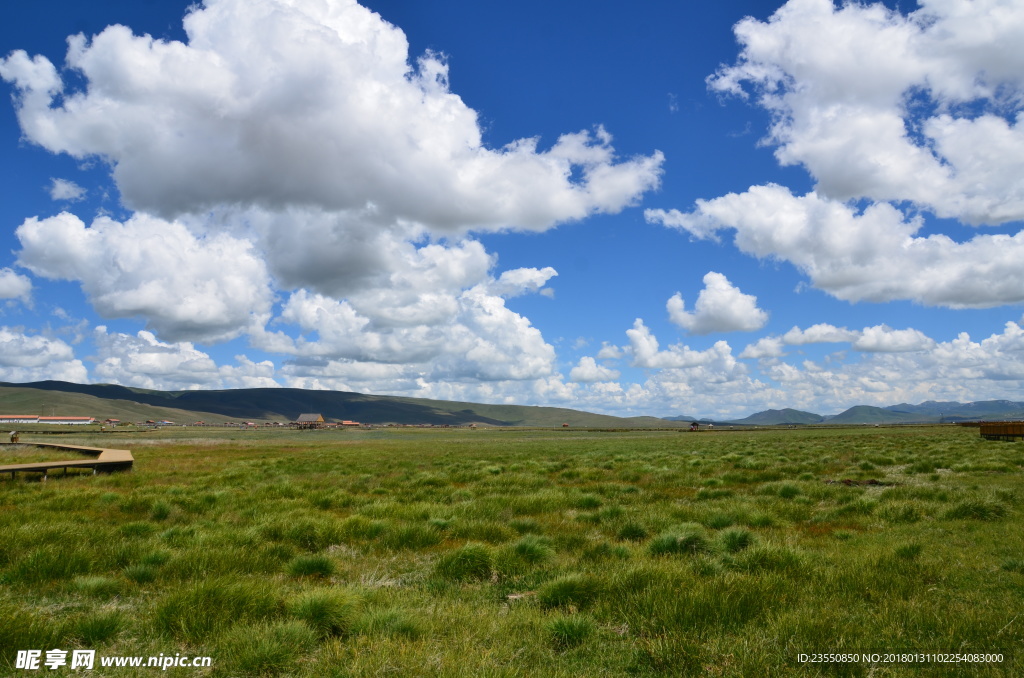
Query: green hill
780	417
865	414
285	404
21	400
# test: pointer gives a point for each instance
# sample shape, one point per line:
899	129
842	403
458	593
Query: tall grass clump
50	563
314	565
390	623
568	631
266	649
472	561
533	550
736	539
200	610
576	590
97	586
976	508
97	628
330	612
632	531
687	540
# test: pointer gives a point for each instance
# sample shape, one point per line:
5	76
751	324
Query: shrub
316	565
569	631
472	561
329	612
578	590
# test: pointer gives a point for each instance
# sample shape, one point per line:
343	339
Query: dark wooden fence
1002	430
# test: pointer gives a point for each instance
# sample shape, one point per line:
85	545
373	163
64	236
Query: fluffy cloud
588	371
185	286
765	347
822	333
14	286
871	255
284	103
848	85
883	339
468	335
877	339
961	369
66	190
720	307
883	109
25	358
145	362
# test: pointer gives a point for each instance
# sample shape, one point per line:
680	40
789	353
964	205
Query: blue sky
662	209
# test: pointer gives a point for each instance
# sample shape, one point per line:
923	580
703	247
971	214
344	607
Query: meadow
532	552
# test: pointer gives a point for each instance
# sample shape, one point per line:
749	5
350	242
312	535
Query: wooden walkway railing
1002	430
105	460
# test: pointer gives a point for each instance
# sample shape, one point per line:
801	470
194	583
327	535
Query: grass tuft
688	541
315	565
472	561
568	631
330	612
576	590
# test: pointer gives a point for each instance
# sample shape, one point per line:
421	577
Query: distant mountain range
904	413
285	404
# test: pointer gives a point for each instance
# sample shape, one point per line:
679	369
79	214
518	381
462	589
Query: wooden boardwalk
103	460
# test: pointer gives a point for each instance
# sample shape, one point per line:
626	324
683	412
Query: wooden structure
312	420
105	460
1002	430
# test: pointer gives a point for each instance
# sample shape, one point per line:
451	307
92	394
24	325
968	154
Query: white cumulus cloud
209	288
66	190
143	361
720	307
34	357
869	255
848	85
278	103
587	371
15	286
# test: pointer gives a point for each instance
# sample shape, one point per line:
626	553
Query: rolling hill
285	404
780	417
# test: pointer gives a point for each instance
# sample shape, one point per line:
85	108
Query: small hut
313	420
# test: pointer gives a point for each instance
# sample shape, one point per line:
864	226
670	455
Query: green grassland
537	552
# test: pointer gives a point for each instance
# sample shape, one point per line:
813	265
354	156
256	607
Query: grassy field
525	553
